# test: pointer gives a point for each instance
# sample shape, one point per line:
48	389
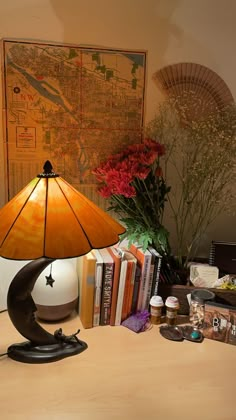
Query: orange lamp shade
50	218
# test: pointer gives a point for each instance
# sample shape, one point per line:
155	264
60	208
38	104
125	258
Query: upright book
144	261
121	289
129	284
86	274
98	287
137	279
107	281
156	272
116	254
150	281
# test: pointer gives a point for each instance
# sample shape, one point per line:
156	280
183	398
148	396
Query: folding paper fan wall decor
194	81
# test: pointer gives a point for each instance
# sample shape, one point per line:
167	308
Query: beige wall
201	31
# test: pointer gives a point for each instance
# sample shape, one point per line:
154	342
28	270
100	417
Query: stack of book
115	283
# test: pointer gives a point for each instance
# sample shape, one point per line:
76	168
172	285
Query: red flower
120	170
119	183
143	172
148	158
126	190
155	146
105	192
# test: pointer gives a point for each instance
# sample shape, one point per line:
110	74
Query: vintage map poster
69	104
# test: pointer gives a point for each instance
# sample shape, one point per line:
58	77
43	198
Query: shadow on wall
131	24
124	24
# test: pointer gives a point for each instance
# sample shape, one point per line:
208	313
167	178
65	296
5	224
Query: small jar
197	306
172	306
156	305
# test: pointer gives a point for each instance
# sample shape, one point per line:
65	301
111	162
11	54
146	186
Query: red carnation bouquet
132	181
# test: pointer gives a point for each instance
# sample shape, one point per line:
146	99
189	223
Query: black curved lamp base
28	353
42	347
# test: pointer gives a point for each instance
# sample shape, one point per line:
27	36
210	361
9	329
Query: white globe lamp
55	292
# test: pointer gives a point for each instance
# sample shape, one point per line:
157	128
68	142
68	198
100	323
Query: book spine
106	293
156	276
149	282
137	279
97	293
115	253
87	292
131	289
124	312
144	285
121	292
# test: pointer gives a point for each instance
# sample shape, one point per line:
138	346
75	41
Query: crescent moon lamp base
42	347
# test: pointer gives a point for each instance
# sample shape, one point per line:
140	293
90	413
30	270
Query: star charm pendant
50	280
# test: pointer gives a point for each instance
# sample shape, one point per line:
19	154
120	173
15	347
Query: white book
146	280
98	288
149	283
121	290
157	269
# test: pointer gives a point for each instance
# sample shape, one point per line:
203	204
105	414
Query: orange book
86	273
116	255
129	284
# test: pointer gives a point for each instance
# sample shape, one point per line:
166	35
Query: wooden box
226	297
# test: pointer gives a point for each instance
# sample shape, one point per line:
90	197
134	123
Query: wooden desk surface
122	375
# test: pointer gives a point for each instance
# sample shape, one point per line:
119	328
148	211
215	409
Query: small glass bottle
156	305
172	306
197	306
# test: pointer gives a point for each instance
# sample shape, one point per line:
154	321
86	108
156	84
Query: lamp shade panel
64	236
22	224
